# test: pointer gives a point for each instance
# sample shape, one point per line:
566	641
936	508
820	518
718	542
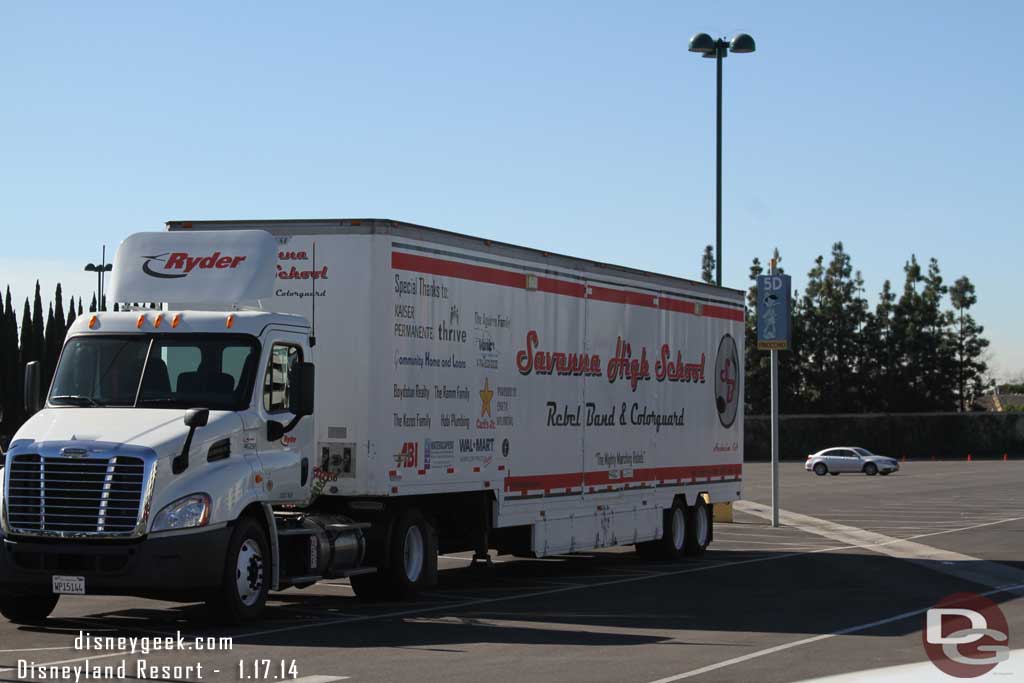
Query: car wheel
871	469
247	571
27	609
820	469
672	543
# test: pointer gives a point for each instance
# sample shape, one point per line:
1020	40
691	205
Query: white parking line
807	641
962	566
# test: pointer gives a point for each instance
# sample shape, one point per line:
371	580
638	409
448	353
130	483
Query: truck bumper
181	568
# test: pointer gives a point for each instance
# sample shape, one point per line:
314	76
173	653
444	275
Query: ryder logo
179	263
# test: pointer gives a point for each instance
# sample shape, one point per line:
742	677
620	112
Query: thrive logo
179	263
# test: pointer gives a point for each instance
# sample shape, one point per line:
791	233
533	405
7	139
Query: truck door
286	462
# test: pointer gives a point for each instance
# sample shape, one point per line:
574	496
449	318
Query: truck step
294	532
301	579
352	526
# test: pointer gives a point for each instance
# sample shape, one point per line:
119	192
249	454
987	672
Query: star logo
485	399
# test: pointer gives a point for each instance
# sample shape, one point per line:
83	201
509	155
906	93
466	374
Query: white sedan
836	461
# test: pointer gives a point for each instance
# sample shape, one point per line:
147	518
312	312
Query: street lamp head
107	268
92	268
741	43
702	42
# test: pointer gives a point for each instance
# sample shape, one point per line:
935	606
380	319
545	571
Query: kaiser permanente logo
966	635
180	263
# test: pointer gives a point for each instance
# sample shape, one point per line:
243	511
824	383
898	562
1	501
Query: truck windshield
156	371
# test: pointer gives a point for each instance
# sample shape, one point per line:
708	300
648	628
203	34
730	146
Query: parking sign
773	328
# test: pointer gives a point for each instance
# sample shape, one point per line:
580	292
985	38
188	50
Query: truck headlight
184	513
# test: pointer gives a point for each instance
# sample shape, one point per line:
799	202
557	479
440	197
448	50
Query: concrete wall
915	435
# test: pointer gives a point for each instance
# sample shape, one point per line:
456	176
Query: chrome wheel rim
678	529
249	572
413	553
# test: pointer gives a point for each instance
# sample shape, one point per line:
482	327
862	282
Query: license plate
69	585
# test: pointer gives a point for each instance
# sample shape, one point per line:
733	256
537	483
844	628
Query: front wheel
243	591
27	609
820	469
871	469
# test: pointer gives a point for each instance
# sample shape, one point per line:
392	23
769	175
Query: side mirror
304	385
275	430
194	418
197	417
33	398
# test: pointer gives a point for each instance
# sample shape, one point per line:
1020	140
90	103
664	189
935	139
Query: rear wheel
820	469
27	609
411	546
672	543
698	528
243	592
871	469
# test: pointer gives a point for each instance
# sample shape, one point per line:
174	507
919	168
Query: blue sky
583	128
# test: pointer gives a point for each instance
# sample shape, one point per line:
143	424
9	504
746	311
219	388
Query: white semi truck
468	395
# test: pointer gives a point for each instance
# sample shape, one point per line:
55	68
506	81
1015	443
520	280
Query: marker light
92	321
230	321
159	319
142	319
175	320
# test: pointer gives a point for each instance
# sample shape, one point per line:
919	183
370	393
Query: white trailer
469	395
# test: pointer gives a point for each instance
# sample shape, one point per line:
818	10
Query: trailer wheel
673	541
411	547
27	609
243	593
698	529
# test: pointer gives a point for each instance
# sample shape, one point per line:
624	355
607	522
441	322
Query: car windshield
156	371
864	453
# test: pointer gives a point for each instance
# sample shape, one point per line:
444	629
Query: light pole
719	50
103	267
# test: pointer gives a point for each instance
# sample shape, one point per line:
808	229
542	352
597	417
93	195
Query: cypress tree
92	306
38	328
71	312
50	342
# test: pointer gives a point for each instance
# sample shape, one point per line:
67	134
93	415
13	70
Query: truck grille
66	496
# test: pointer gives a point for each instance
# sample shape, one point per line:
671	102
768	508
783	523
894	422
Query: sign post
773	334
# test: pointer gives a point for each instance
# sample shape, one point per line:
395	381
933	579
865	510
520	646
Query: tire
698	528
28	609
247	575
820	469
871	469
410	545
672	543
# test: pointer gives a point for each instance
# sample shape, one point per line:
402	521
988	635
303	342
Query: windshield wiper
78	400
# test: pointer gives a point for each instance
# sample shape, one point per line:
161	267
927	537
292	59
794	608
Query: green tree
970	345
707	265
71	312
38	327
758	369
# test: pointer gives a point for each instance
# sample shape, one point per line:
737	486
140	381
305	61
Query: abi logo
966	635
409	455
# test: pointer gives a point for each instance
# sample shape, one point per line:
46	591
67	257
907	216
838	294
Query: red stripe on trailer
451	470
476	469
570	480
507	278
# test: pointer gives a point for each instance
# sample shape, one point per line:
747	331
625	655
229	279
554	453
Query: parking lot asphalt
762	604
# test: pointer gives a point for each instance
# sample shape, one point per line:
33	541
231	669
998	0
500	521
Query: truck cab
161	430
